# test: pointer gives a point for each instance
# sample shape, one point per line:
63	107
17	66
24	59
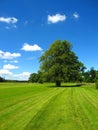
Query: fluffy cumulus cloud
5	72
22	76
10	67
9	75
28	47
75	15
8	55
9	20
56	18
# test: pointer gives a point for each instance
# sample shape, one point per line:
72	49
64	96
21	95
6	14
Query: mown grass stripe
44	107
92	96
81	116
35	110
88	112
46	116
18	100
19	111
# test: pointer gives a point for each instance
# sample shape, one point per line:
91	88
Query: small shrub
96	84
96	80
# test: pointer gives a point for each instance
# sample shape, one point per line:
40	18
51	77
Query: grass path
17	109
69	110
40	107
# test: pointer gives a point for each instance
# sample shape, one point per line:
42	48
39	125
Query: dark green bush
96	80
96	84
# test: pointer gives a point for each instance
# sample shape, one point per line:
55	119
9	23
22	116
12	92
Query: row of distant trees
11	81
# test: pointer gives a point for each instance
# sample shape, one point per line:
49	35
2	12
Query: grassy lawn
45	107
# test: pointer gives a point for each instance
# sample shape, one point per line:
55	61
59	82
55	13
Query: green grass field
46	107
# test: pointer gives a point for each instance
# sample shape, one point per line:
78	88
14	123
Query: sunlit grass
46	107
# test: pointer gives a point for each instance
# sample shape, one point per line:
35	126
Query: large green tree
59	63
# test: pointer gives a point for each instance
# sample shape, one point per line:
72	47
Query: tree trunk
58	83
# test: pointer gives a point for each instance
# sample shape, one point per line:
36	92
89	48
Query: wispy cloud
8	55
14	61
10	67
26	22
28	47
75	15
56	18
7	27
10	26
9	20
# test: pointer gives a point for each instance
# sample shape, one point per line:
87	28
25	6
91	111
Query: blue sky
28	27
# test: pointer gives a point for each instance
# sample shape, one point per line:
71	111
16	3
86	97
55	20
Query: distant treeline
11	81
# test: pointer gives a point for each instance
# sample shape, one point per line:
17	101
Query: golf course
30	106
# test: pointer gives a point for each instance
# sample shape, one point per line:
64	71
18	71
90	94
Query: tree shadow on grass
67	86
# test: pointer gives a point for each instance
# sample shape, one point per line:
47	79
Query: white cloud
27	47
22	76
9	20
9	67
56	18
1	52
5	72
14	61
76	15
12	76
8	55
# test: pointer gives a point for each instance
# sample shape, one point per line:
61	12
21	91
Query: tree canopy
59	63
36	77
2	79
90	76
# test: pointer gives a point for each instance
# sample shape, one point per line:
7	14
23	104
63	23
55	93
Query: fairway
26	106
